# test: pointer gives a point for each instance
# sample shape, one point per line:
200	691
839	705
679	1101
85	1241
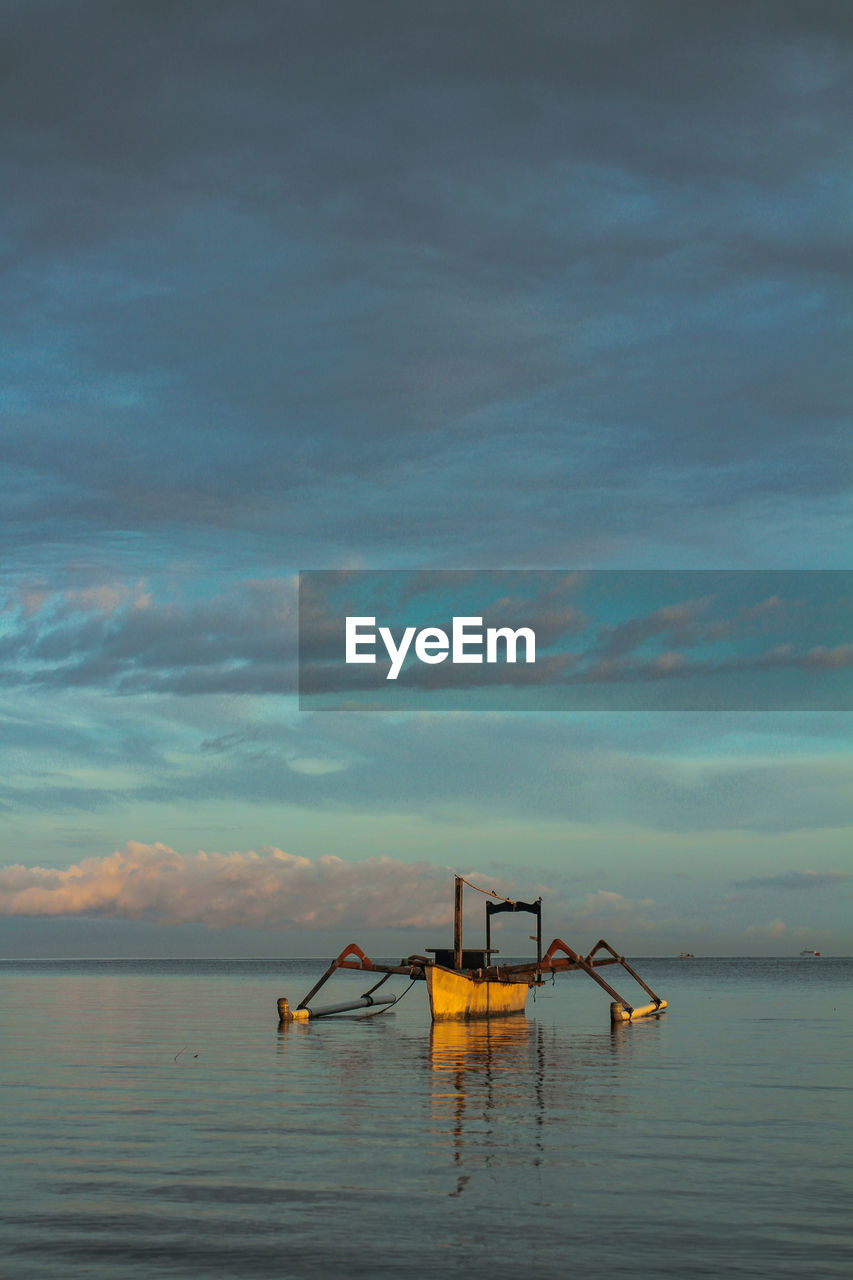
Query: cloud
132	637
604	912
773	929
586	657
603	901
676	622
796	880
675	773
237	639
840	655
219	890
274	889
413	278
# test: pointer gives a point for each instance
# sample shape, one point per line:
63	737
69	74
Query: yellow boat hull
453	996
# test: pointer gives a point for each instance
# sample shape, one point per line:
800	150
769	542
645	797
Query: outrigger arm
620	1009
413	968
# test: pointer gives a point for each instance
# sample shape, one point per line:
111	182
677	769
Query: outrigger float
463	983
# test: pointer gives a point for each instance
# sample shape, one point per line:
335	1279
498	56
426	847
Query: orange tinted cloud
225	889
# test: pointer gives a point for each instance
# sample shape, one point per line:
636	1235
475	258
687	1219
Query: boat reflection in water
480	1067
504	1091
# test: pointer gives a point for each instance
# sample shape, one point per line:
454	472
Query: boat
464	983
686	955
809	953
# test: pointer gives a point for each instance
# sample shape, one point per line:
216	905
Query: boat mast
457	925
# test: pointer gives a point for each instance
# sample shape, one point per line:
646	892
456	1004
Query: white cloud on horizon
334	900
774	929
273	888
221	890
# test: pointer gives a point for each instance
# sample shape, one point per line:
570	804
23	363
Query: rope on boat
489	893
388	1007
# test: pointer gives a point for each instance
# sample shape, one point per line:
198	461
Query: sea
158	1122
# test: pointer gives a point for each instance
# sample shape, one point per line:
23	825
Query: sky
468	286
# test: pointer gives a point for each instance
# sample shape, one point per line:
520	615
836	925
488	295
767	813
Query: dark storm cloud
529	282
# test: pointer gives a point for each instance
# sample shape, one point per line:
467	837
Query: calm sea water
156	1122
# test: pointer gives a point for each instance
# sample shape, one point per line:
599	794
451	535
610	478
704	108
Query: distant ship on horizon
807	951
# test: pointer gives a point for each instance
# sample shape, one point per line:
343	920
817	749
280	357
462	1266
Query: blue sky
466	286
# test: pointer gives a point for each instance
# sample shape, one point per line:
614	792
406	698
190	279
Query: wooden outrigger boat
463	983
